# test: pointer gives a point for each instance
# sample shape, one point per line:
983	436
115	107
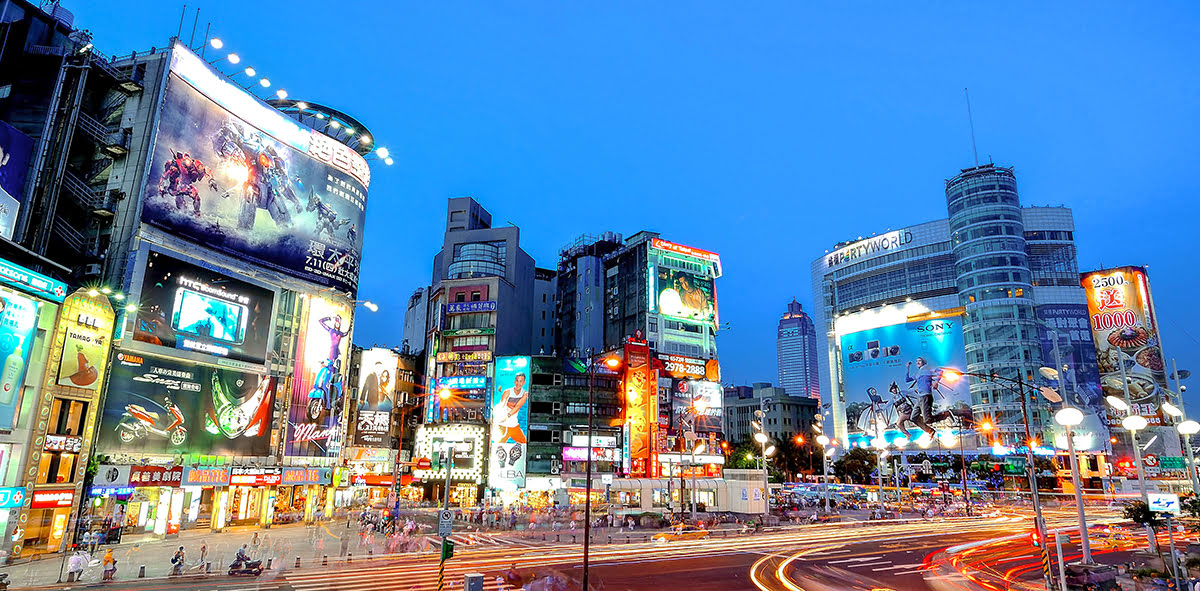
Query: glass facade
995	285
478	259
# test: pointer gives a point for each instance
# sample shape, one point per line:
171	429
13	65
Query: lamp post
1069	417
611	363
1187	437
824	441
1132	423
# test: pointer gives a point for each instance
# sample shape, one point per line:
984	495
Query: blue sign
32	282
12	497
895	379
467	307
463	382
18	324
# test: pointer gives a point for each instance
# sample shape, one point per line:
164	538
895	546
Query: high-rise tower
796	350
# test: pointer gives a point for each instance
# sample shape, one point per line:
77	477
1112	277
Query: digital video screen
204	316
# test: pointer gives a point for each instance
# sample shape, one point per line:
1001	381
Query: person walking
345	545
110	565
177	561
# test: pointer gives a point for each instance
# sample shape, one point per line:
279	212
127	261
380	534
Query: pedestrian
177	561
76	564
345	543
254	546
203	554
110	565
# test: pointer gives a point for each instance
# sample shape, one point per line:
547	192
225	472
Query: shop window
67	417
460	297
56	467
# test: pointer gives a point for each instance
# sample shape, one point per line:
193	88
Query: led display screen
16	149
166	406
686	296
188	307
896	381
235	175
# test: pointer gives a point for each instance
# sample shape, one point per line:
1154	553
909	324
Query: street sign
1150	460
606	479
445	520
1164	503
424	463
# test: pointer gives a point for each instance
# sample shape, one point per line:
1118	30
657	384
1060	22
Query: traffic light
1035	539
447	550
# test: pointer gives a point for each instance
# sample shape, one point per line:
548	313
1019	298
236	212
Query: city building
580	300
796	353
976	293
785	416
545	288
416	320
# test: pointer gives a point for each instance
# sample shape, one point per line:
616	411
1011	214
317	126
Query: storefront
458	448
304	494
49	512
207	496
251	497
371	490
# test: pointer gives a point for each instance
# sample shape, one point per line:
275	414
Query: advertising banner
697	403
686	296
377	381
206	476
510	423
1081	373
599	454
235	175
641	397
155	476
318	383
680	366
170	407
189	307
16	150
1125	331
18	324
84	353
894	382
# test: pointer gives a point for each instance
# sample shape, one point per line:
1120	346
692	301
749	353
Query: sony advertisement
16	150
1125	331
18	325
192	308
233	174
377	382
895	379
318	382
510	423
163	406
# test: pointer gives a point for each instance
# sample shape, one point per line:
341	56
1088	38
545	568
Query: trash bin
473	582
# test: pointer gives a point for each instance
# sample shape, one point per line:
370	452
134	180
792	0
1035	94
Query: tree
856	466
744	456
1139	512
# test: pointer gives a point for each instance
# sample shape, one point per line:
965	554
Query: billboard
892	377
696	404
84	353
166	406
377	381
16	150
235	175
686	296
640	389
510	423
18	325
318	382
188	307
1125	331
1081	373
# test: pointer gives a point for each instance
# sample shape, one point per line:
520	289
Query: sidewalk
286	541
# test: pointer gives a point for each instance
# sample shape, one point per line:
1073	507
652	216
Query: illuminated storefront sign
454	357
35	283
661	244
206	476
679	366
468	307
1125	330
255	476
469	332
599	454
300	476
52	499
463	382
64	443
868	247
581	440
155	476
371	480
108	475
12	497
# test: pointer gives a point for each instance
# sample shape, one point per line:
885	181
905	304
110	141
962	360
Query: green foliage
1139	512
1190	505
855	466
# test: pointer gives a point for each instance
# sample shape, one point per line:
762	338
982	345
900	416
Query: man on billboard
506	414
924	382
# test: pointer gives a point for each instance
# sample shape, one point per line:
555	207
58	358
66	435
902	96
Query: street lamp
824	442
1071	417
1176	375
611	363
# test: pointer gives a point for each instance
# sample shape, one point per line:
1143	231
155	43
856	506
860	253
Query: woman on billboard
507	412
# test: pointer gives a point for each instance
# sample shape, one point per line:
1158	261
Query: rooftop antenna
181	16
971	120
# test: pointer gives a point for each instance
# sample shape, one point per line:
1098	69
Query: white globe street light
1188	427
1171	409
1069	417
822	440
1116	403
1134	422
761	437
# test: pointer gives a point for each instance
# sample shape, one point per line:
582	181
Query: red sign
371	480
254	476
661	244
1150	460
155	476
52	499
424	463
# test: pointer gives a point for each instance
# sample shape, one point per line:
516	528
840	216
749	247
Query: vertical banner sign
84	353
18	321
377	379
641	416
318	384
510	423
1125	330
16	149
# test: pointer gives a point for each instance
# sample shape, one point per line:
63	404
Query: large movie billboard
318	382
377	382
894	383
698	404
235	175
510	423
1125	330
164	406
16	149
192	308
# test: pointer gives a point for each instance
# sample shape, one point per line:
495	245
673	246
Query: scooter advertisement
164	406
318	383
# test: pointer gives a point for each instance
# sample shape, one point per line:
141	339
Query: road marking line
859	559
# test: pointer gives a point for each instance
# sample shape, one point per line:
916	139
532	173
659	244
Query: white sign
1164	503
606	479
445	520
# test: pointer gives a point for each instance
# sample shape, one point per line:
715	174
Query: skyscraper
796	349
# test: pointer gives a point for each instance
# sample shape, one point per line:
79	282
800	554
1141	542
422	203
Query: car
681	532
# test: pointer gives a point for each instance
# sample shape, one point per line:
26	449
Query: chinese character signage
255	475
510	423
378	376
453	357
206	476
233	174
318	384
1125	331
155	476
166	406
468	307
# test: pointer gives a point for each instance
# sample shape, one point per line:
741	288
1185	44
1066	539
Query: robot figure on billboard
266	184
327	219
179	177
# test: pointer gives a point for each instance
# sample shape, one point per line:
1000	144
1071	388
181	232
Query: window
478	259
543	314
67	417
475	296
460	297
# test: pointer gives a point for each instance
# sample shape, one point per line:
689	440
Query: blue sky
764	131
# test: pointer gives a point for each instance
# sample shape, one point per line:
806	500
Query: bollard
325	560
71	576
297	562
609	539
626	539
572	538
370	551
349	557
269	562
142	572
208	567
